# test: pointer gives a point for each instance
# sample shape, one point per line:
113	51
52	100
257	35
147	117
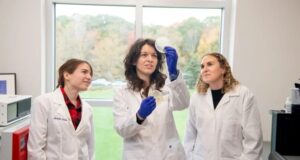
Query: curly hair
229	81
157	77
70	66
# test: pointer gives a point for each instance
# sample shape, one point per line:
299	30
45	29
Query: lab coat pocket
56	125
175	150
231	139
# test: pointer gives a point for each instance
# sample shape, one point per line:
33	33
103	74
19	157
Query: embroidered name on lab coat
60	119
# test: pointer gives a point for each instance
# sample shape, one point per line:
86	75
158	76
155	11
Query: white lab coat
232	131
52	135
157	137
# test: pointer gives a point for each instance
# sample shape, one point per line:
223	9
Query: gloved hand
172	58
147	106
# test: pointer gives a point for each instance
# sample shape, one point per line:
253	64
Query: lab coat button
170	146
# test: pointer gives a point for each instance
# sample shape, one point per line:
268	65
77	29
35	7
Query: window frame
49	59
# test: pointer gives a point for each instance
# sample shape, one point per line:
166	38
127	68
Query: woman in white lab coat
143	110
223	121
61	125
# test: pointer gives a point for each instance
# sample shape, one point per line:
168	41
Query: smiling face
211	72
147	62
80	79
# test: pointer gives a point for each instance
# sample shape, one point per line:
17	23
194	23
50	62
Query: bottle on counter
288	105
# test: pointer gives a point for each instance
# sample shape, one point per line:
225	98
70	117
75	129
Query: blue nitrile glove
147	106
172	58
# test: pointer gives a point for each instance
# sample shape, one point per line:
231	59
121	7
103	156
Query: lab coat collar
59	100
225	99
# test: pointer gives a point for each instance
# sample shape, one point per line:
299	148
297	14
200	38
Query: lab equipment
288	105
295	98
158	95
14	108
285	137
161	43
14	140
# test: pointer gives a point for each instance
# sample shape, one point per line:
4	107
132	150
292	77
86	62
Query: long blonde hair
229	81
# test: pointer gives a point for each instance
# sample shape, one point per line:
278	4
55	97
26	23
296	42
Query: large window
101	32
192	31
98	34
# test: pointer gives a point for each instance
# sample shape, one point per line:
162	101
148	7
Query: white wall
21	43
265	49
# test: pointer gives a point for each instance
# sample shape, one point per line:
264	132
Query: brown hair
229	81
157	77
69	66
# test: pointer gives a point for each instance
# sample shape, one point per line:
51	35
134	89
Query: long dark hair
69	66
157	77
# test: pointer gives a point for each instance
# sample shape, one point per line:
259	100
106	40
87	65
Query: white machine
14	108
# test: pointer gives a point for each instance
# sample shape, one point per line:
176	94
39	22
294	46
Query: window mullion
139	21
